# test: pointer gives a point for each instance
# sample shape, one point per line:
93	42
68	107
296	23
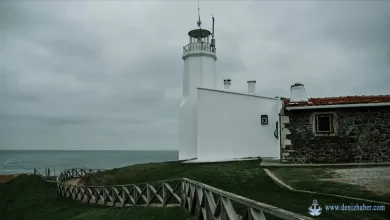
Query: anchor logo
315	209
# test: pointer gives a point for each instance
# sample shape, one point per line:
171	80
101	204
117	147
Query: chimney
227	83
252	87
298	93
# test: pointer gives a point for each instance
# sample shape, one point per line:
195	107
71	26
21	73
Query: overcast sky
108	75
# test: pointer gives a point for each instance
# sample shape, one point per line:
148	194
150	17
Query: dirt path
74	182
6	178
375	179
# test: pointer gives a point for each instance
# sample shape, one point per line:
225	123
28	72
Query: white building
222	124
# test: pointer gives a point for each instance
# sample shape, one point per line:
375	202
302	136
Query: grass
29	198
305	178
245	178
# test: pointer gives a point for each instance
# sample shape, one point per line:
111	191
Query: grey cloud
108	74
17	16
67	120
230	66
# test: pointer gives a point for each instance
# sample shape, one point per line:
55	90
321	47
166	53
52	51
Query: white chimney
227	83
252	87
298	93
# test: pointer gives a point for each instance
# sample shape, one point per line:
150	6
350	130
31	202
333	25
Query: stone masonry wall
363	135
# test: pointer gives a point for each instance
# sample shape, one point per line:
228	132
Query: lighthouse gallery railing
198	46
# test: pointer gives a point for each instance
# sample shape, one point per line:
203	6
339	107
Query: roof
342	100
237	93
202	33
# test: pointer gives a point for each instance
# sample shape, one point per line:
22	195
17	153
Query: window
324	123
264	119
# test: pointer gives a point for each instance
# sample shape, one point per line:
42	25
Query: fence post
183	193
164	191
148	195
104	195
135	194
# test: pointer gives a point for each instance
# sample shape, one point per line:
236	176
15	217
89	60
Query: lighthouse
199	57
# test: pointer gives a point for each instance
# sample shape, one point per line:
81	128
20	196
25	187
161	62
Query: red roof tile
341	100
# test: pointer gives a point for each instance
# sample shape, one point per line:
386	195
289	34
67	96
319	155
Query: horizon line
83	150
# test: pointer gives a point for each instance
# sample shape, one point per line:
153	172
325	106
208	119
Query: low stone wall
363	135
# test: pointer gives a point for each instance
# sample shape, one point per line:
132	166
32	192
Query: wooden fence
76	173
50	179
199	199
204	201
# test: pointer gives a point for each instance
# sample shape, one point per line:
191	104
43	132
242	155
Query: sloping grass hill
30	198
245	178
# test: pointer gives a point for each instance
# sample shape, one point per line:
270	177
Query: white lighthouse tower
199	57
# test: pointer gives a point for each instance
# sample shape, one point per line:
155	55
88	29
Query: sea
24	161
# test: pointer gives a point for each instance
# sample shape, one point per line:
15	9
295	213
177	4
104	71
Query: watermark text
355	207
316	209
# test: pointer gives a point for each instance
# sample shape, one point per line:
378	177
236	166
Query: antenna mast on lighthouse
199	21
212	35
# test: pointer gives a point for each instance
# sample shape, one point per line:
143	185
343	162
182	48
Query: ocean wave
10	162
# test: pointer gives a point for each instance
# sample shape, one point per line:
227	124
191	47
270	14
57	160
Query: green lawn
305	178
244	178
29	198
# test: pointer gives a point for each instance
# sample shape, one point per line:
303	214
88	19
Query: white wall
199	71
229	126
187	129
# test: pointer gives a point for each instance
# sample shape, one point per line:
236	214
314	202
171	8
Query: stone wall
363	135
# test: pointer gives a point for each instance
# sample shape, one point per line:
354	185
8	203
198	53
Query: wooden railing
156	194
208	202
50	179
204	201
76	173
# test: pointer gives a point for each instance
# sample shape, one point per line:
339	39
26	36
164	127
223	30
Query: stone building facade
352	129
